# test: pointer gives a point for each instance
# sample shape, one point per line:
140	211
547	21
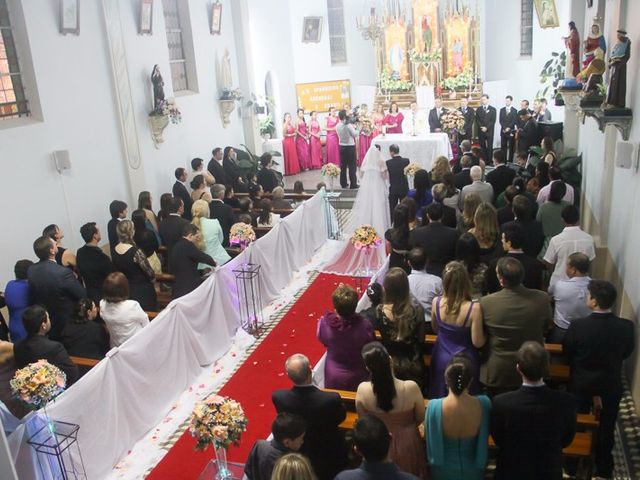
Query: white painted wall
75	87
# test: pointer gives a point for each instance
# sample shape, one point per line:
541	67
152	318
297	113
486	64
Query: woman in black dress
83	336
398	238
133	263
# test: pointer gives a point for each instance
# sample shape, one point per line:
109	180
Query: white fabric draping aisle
132	389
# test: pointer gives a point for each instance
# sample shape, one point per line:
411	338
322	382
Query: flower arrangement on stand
366	239
330	171
241	234
218	421
452	122
38	383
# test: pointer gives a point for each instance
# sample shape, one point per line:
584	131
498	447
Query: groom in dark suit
398	185
533	424
323	412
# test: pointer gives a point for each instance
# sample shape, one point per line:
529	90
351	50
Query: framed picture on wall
547	13
146	17
70	17
216	18
311	29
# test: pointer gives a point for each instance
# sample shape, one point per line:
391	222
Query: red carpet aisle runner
262	372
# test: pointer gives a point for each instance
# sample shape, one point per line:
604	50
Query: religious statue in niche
572	44
427	34
618	71
595	45
158	88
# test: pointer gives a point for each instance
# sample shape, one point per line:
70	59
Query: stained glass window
13	102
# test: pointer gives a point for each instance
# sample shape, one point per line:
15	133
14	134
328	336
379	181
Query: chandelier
371	27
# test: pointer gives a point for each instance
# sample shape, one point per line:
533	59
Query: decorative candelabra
372	29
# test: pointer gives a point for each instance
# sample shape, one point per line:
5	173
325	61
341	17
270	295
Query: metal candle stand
249	297
52	442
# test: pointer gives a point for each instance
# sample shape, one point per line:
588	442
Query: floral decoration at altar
38	383
452	121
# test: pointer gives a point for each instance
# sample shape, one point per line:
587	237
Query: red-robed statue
572	43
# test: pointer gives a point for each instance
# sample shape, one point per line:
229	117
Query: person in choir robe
572	43
486	117
435	114
469	115
508	119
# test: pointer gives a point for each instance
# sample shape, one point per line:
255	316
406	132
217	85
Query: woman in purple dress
344	333
302	141
333	146
457	320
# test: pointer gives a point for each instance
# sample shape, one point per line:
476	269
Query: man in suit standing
463	177
118	211
435	126
543	114
528	132
323	443
183	262
398	185
533	424
93	264
508	119
486	117
437	240
483	189
449	217
215	167
501	176
180	190
512	316
231	169
53	286
221	212
469	118
534	235
596	346
170	229
38	347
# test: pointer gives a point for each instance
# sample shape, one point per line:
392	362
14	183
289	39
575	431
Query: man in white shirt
347	140
555	174
570	296
571	240
423	286
483	189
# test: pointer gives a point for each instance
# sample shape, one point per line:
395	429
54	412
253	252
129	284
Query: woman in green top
211	235
549	213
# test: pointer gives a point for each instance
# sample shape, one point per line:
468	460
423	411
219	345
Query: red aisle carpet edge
260	374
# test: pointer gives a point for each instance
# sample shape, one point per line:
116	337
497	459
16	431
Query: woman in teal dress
210	241
457	427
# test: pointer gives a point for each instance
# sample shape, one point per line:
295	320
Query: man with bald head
323	412
483	189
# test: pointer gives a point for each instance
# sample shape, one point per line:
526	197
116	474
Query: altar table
422	148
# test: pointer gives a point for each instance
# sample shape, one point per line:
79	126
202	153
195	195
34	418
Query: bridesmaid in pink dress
366	131
333	147
302	141
378	120
291	164
394	119
316	145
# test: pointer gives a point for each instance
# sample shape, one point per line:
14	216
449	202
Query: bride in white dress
371	207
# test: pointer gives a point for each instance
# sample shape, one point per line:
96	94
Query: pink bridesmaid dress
291	164
365	141
302	147
316	145
390	119
377	126
333	146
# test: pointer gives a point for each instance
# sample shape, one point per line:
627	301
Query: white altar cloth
423	148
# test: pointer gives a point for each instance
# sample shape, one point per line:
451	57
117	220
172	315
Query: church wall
80	114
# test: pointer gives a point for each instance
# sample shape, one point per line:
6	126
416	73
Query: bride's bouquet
411	169
217	421
241	234
38	383
365	238
330	170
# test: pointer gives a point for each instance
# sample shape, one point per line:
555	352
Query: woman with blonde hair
439	168
457	320
211	236
292	466
469	207
402	327
487	232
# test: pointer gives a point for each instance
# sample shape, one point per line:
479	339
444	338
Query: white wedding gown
371	207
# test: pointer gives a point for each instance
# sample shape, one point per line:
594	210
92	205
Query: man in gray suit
483	189
512	316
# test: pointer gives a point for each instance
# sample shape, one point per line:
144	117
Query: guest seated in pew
596	346
423	286
184	260
457	426
288	436
397	238
278	201
401	324
532	425
372	440
171	226
211	236
293	466
323	412
399	404
16	296
298	187
221	212
439	192
267	177
93	264
122	316
412	212
421	192
82	335
511	316
374	294
245	218
457	320
319	186
344	333
37	346
255	194
267	218
230	197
